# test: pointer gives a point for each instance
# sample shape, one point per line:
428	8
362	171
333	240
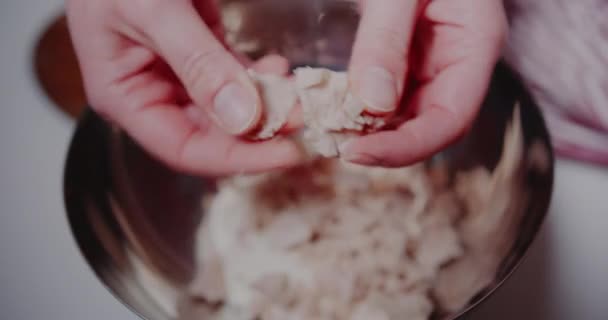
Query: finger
445	108
184	137
379	60
212	76
456	68
201	148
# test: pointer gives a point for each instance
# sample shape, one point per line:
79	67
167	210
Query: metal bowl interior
123	204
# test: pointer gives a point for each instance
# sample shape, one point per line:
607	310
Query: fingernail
378	90
361	159
235	108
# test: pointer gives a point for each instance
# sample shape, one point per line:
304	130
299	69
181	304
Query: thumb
379	60
213	78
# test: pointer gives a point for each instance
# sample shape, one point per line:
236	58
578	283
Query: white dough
330	111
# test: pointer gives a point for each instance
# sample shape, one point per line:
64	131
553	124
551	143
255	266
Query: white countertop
42	275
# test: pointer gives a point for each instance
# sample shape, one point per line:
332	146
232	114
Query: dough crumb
331	112
278	97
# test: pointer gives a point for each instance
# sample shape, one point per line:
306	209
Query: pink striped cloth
560	48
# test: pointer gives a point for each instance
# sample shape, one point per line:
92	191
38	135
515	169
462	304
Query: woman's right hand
158	69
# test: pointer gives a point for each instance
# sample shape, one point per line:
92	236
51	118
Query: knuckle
203	71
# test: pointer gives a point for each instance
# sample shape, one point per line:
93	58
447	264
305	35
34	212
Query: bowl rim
76	209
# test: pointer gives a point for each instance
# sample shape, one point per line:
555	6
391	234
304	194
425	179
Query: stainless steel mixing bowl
130	213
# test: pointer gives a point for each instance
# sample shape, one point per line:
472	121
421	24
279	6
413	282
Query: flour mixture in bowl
332	240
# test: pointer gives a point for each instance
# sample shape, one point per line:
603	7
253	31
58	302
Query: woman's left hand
449	48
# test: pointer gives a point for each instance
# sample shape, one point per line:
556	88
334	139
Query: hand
157	69
448	47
